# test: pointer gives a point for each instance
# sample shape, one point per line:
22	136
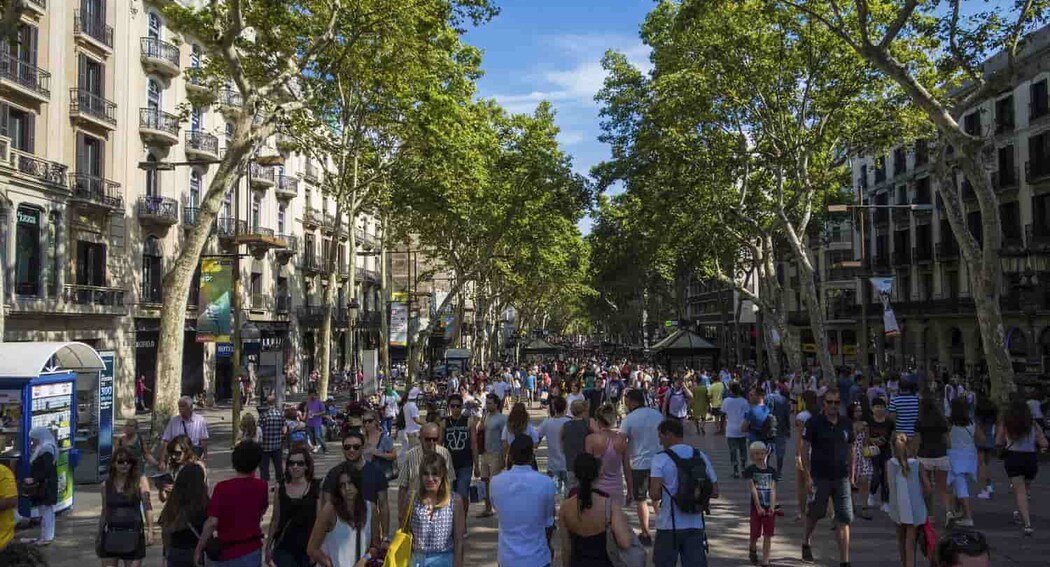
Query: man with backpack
685	476
760	423
677	400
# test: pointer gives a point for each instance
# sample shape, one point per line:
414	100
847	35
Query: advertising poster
214	320
883	289
398	323
105	413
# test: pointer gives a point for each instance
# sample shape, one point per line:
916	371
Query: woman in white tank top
347	528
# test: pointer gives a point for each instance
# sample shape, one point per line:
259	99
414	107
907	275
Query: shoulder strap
409	510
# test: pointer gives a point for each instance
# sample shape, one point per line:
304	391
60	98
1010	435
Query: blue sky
551	50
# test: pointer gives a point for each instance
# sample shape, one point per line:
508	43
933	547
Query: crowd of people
616	439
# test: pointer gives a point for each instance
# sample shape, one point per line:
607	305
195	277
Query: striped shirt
906	408
410	467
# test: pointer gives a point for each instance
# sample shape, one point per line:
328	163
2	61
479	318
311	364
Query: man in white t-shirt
643	443
413	421
679	534
735	408
500	388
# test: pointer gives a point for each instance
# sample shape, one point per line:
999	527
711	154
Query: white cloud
570	137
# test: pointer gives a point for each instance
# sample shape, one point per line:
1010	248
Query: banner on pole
398	324
214	319
883	288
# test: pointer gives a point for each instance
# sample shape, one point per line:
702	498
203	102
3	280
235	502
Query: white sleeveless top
341	543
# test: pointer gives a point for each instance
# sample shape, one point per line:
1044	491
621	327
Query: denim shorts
838	491
462	484
438	559
253	559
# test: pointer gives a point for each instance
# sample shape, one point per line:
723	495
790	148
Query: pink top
610	481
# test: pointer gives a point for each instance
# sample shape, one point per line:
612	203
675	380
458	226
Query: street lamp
351	309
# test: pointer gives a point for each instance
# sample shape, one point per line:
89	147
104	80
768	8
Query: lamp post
864	264
352	309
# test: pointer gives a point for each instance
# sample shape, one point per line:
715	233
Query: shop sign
146	343
224	350
28	217
105	412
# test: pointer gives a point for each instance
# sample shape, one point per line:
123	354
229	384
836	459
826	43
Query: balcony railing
1038	236
231	98
42	4
369	319
902	257
311	172
262	173
312	216
157	119
259	231
291	244
164	209
287	185
366	275
96	190
151	295
901	217
94	295
47	171
228	227
310	262
190	216
202	142
155	48
25	74
85	102
95	28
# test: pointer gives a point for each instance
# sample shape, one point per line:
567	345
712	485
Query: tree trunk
176	284
424	335
324	349
768	328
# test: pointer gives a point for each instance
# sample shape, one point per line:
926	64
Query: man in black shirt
596	396
458	437
828	444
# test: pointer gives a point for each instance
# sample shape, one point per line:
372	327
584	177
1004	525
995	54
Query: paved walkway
874	542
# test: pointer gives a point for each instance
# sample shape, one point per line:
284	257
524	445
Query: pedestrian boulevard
873	542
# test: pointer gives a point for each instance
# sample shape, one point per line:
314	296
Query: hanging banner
105	412
398	324
883	289
214	319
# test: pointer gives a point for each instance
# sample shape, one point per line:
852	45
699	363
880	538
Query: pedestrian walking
550	430
347	527
986	415
904	408
762	485
294	512
430	436
611	448
438	517
190	424
780	408
518	424
457	435
880	435
41	485
524	500
413	419
807	405
140	393
677	400
907	505
1022	438
574	438
126	523
643	443
272	428
492	460
588	517
701	406
8	496
735	408
389	408
860	476
315	412
249	428
828	443
679	520
132	441
932	431
182	519
962	458
235	512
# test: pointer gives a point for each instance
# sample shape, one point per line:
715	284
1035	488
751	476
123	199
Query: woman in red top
236	510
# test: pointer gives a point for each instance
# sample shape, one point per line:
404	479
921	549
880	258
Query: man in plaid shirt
271	422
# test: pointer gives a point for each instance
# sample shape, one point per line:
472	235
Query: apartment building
932	298
722	315
88	91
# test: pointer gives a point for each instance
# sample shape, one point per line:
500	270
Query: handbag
118	542
399	552
633	556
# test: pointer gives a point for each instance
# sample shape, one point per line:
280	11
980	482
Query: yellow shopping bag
399	553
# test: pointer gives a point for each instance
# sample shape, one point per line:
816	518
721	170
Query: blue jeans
560	478
317	435
386	422
687	544
434	559
737	452
278	467
462	484
253	559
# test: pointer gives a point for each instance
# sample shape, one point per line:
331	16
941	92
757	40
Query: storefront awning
29	360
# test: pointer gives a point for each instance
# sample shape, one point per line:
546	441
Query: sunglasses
833	402
368	421
123	462
431	439
297	463
351	447
455	406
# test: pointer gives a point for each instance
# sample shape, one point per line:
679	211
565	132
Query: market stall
685	349
38	387
539	349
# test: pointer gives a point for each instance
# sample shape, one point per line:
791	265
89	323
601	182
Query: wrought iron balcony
228	227
94	28
92	190
366	275
287	186
311	172
84	103
312	217
1038	237
157	210
99	296
46	171
202	144
190	216
27	77
160	56
310	262
369	320
290	248
38	5
230	98
157	126
902	257
151	295
262	176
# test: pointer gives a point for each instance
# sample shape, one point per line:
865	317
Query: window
229	131
1041	215
154	25
902	194
152	178
1006	174
195	56
151	270
256	210
92	76
90	152
195	189
972	123
922	191
195	288
1004	114
195	119
91	263
922	153
1039	105
153	94
93	11
27	251
973	222
281	215
23	47
256	290
1010	217
20	126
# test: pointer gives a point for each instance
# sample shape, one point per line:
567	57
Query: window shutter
4	115
82	71
30	132
33	37
82	154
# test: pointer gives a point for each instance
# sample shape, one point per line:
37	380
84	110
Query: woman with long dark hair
294	513
518	424
183	516
1022	438
125	500
932	431
347	527
586	515
986	415
438	517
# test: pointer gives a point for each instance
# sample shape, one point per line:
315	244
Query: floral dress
862	463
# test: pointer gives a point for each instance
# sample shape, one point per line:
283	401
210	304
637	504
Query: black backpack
694	486
768	429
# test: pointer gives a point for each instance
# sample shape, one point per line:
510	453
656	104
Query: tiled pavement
873	541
